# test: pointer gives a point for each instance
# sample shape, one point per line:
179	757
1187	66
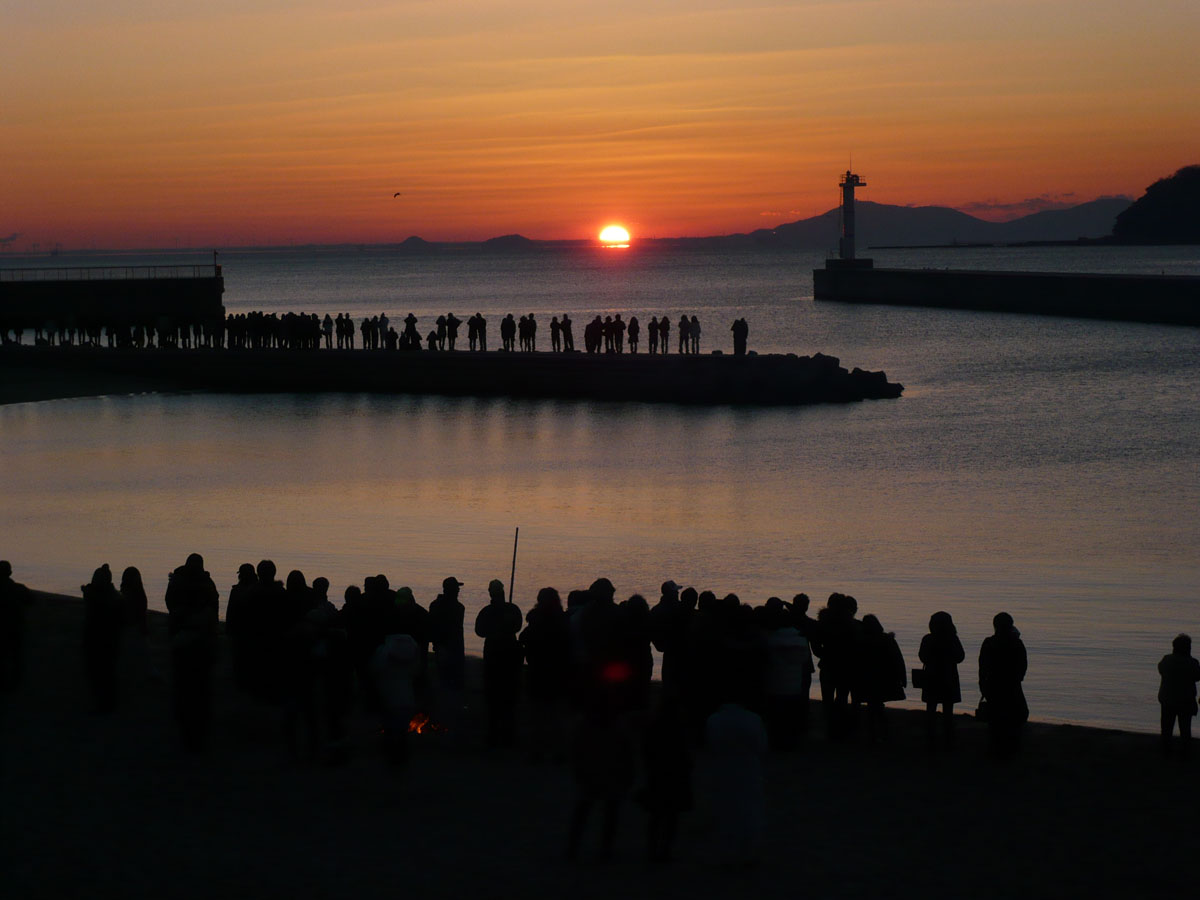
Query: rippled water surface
1049	467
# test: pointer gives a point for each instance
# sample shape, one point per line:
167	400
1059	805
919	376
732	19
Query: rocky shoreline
35	373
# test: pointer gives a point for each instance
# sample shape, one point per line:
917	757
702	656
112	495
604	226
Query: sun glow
614	236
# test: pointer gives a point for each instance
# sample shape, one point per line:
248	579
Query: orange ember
422	724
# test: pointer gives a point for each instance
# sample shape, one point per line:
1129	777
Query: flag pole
512	575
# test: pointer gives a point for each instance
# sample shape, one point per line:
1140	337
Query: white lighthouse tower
848	183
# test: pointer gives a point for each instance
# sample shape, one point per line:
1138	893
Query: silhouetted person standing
604	763
668	624
882	676
192	607
137	625
737	740
103	620
15	600
508	332
394	664
685	335
667	760
1002	665
605	672
740	332
498	624
568	337
1179	672
546	642
694	334
298	638
808	627
452	325
244	640
839	646
788	676
446	614
634	628
652	336
635	331
941	652
664	334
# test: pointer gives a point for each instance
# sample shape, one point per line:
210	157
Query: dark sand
109	807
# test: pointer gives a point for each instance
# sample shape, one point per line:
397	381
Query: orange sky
160	123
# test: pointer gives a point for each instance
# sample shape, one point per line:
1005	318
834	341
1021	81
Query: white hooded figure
394	664
737	742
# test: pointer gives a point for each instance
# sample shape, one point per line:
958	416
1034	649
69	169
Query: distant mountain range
878	225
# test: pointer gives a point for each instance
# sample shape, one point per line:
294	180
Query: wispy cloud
1012	209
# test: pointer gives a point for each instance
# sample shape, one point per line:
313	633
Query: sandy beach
110	806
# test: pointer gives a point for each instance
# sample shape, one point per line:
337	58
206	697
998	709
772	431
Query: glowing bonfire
422	724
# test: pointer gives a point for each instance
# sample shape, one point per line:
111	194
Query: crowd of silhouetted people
259	330
734	678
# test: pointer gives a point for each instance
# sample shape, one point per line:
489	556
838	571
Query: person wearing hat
498	624
668	630
446	615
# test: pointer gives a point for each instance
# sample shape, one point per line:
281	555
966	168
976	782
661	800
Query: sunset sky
137	123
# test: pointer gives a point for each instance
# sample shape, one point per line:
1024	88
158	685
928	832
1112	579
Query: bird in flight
395	195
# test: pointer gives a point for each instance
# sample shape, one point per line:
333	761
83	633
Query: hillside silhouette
1168	213
884	224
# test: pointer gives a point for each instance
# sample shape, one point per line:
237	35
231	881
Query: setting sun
614	236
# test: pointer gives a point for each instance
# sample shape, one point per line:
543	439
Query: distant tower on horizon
848	183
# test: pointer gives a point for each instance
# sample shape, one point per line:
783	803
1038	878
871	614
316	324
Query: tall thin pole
512	576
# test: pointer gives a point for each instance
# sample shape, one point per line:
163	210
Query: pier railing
110	273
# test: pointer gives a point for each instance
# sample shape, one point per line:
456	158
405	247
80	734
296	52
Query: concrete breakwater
1163	299
712	379
104	296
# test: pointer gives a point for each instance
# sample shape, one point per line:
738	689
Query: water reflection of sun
614	236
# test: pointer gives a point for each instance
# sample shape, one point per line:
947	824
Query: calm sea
1048	467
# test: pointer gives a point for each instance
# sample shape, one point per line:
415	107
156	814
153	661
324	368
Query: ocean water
1048	467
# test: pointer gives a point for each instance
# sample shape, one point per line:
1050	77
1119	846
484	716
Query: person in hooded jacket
1002	666
882	675
1179	671
103	619
238	626
546	643
192	609
941	652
